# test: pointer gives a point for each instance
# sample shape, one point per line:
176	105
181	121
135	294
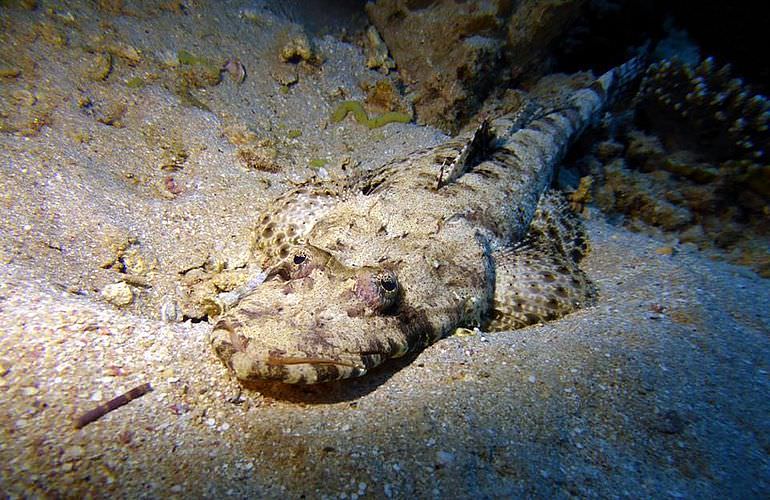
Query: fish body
463	234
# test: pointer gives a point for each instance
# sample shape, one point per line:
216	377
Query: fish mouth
295	360
252	361
258	341
306	369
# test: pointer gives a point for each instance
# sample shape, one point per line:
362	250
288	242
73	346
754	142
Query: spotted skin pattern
460	235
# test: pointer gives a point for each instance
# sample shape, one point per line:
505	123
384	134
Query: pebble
170	311
532	379
30	391
118	294
72	453
444	458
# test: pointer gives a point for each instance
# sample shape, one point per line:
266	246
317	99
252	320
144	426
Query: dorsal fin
472	153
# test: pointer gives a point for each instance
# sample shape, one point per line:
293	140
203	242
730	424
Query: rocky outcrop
452	54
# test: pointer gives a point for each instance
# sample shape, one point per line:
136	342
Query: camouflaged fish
460	235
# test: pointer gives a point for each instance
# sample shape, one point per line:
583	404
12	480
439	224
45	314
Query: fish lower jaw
301	369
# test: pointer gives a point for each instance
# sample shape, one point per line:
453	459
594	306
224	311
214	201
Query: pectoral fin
539	280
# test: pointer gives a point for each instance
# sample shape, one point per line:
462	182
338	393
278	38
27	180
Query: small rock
30	391
118	294
286	76
377	52
72	453
124	51
298	49
236	70
444	458
239	135
170	312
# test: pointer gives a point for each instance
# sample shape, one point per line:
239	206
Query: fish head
316	320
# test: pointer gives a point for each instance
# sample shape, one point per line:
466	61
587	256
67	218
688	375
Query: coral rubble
693	161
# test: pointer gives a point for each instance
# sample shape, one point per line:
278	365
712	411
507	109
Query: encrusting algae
357	109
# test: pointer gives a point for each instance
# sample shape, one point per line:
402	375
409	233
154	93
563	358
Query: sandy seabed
660	389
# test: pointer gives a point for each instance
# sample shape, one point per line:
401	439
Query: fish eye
302	261
388	282
377	288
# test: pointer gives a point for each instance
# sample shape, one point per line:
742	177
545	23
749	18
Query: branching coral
718	111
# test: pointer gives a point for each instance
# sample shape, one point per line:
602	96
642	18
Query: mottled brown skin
438	240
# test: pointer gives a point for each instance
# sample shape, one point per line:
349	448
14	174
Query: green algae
293	134
194	72
135	83
8	71
389	117
317	163
198	71
357	109
346	107
189	58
